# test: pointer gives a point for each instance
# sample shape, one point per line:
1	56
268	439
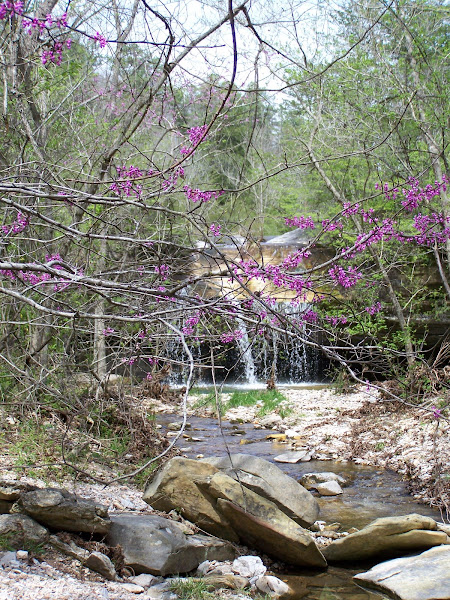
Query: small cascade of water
253	359
245	349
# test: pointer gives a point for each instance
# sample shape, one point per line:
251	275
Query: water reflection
371	493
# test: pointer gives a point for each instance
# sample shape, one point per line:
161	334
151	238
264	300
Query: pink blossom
98	37
300	222
163	271
195	195
215	229
374	309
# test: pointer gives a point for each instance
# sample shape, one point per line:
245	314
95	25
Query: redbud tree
114	247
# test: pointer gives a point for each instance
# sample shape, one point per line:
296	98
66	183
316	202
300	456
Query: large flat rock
281	538
59	509
267	480
153	544
175	487
261	524
422	577
387	537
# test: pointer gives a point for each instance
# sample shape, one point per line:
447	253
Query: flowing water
370	493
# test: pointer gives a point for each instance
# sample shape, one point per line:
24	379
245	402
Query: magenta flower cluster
126	186
98	37
36	277
196	135
231	336
17	226
163	271
9	9
300	222
190	323
196	195
54	52
345	277
374	309
215	229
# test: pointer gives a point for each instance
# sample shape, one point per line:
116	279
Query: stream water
370	493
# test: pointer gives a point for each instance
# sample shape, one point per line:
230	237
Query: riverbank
354	427
360	427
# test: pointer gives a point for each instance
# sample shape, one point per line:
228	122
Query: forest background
140	139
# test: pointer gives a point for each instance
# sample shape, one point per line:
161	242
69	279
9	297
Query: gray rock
293	457
422	577
214	567
144	579
19	530
132	588
100	563
70	549
176	487
62	510
261	524
152	544
11	490
9	559
271	586
310	480
95	561
249	566
279	536
267	480
329	488
389	537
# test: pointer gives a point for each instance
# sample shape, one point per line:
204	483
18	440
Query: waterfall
245	348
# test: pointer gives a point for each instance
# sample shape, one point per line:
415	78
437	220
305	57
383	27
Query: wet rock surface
387	537
422	577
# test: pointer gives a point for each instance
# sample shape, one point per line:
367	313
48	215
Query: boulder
261	524
280	538
310	480
18	531
389	537
329	488
152	544
176	487
272	586
267	480
100	563
62	510
422	577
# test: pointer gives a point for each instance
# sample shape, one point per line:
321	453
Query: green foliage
191	589
5	541
267	400
200	589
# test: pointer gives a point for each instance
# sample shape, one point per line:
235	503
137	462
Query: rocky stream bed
352	437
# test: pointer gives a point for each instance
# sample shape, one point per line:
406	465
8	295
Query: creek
371	493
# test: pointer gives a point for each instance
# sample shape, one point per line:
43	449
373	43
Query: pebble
133	588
